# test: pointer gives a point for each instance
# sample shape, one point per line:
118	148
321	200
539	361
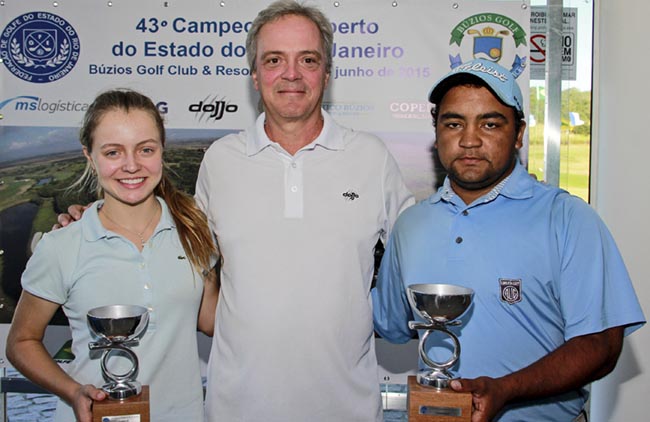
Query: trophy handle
441	366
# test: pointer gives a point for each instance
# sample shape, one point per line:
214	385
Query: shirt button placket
147	287
459	228
293	207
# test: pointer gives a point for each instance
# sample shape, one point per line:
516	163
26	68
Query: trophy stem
440	366
439	377
120	386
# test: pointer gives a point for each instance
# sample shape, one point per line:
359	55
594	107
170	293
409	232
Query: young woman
144	243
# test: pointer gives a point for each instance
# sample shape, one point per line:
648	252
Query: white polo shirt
294	335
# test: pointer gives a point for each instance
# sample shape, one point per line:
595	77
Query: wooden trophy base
133	409
428	404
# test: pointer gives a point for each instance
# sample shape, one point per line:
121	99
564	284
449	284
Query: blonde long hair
191	222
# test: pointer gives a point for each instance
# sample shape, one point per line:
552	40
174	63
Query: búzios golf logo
39	47
489	36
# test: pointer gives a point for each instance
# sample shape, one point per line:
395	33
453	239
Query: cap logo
479	67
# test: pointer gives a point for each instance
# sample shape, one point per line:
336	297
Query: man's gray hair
283	8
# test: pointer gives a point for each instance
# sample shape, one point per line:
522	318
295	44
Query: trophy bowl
118	323
439	303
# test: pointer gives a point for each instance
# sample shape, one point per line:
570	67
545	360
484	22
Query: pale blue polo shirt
83	266
544	269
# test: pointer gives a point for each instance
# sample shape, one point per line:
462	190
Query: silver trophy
118	328
440	306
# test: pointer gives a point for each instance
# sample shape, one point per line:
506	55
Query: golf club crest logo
492	37
39	47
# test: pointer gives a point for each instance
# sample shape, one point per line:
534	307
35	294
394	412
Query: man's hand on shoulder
75	211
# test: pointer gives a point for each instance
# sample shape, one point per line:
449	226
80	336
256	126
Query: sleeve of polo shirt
397	197
202	198
43	275
391	310
201	195
596	292
215	257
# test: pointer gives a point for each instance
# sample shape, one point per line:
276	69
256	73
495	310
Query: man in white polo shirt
297	203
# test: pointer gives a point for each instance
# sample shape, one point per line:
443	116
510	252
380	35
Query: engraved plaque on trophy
430	399
119	328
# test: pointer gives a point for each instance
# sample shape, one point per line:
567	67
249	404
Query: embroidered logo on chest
510	290
350	195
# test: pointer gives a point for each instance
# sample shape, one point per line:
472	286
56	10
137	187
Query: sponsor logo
214	108
510	290
163	107
348	109
492	37
39	47
30	103
410	110
350	195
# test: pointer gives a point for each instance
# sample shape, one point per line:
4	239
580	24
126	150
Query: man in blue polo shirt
553	298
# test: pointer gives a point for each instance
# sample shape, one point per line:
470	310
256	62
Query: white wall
620	185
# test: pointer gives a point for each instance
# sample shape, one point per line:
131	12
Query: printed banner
190	58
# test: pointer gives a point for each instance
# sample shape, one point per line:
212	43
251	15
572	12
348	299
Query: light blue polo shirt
83	266
544	269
